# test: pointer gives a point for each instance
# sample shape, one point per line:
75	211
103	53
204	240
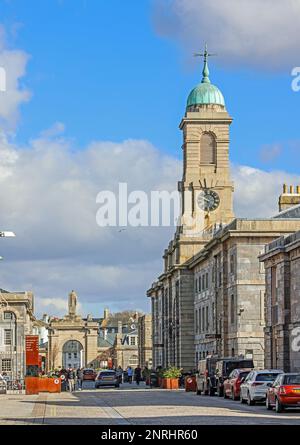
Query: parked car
225	366
205	377
284	393
254	388
89	374
233	383
107	378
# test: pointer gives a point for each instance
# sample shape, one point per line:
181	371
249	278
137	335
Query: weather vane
205	71
206	54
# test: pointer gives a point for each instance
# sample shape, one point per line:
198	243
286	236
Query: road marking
39	409
53	411
110	411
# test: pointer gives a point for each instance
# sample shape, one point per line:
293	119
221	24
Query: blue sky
110	80
101	68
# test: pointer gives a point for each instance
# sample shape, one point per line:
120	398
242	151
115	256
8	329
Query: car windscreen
291	379
107	374
88	371
266	377
211	366
243	374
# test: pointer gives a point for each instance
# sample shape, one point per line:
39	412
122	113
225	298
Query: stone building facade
145	340
282	332
125	349
16	321
229	289
210	296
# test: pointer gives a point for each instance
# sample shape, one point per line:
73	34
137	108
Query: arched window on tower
207	149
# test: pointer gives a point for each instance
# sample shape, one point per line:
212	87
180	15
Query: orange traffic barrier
190	383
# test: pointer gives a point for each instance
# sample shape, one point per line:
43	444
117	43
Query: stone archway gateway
72	340
72	354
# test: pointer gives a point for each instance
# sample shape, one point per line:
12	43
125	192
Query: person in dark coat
138	374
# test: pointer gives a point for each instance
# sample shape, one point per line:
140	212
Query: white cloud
269	153
14	64
259	33
48	198
257	191
56	129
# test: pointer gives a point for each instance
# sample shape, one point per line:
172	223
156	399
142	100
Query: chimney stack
289	198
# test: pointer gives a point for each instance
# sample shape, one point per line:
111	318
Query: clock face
208	200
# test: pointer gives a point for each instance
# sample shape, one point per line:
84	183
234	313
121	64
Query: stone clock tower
206	187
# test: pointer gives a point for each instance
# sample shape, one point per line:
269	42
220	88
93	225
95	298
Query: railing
12	386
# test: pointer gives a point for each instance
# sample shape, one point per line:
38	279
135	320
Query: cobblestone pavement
132	405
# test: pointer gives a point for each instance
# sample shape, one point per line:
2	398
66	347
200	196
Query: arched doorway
72	354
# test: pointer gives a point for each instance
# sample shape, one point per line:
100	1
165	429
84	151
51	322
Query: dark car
205	377
225	366
89	374
107	378
284	393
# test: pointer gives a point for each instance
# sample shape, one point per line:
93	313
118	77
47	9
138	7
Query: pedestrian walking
79	378
146	373
138	374
119	372
71	379
130	374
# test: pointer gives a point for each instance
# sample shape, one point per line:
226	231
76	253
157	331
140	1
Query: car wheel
278	406
198	392
211	392
268	406
117	386
250	402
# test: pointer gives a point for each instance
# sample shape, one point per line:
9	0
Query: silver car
256	384
107	378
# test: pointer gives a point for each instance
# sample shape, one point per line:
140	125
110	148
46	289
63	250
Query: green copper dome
205	93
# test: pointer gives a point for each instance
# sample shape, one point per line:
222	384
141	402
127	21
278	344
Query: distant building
72	340
125	349
282	332
145	340
16	321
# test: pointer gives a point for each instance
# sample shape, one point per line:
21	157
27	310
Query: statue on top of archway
72	303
